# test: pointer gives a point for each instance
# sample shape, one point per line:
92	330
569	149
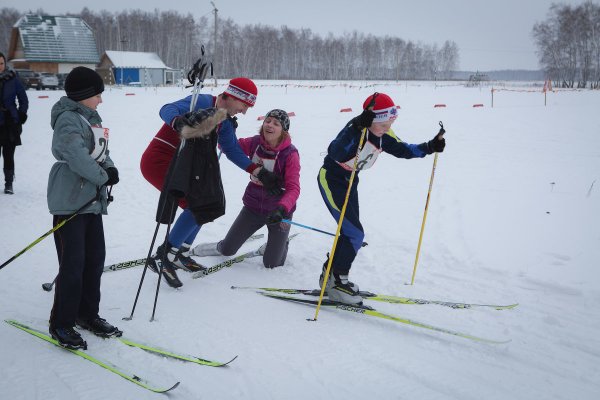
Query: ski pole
196	77
55	228
47	287
343	211
287	221
412	281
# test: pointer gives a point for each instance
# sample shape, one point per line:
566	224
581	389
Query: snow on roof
134	59
57	39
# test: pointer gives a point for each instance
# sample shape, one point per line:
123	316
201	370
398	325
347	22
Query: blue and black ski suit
334	177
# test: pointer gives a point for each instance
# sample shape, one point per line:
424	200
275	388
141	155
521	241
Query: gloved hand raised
437	144
113	176
199	123
271	181
276	216
365	119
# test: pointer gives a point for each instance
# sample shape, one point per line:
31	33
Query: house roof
57	39
134	59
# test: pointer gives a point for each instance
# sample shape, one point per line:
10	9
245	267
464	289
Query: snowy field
514	217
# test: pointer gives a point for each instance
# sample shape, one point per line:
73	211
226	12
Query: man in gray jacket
77	185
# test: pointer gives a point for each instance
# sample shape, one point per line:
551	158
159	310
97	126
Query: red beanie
384	108
242	89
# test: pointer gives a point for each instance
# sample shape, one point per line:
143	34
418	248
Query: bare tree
261	51
568	43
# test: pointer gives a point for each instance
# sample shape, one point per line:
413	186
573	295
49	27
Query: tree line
260	51
568	44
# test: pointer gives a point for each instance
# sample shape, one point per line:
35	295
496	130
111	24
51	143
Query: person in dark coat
237	98
12	118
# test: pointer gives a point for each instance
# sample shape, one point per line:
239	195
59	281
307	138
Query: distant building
56	44
136	68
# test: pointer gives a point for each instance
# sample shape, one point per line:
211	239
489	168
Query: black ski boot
99	327
160	258
68	337
183	260
9	176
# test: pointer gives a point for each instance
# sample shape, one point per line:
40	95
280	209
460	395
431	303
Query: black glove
437	144
191	118
113	176
22	117
365	119
271	181
233	122
276	216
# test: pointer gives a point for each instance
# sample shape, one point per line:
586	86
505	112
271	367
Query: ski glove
199	123
437	144
113	176
22	117
276	216
365	119
233	122
271	181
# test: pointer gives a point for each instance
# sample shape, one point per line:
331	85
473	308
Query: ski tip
228	362
169	389
508	307
214	363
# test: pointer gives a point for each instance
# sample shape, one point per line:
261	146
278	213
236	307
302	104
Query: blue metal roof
57	39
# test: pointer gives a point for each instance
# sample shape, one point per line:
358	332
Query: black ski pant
8	154
81	251
248	222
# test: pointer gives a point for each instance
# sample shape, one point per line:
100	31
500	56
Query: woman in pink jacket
272	148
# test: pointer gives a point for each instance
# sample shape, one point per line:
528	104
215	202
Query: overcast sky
490	34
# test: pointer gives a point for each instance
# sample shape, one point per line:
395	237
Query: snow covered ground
514	217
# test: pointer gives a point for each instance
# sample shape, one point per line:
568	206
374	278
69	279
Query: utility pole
215	11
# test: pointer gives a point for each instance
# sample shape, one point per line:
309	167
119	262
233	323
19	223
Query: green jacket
75	177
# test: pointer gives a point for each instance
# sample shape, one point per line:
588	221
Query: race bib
100	143
267	163
366	158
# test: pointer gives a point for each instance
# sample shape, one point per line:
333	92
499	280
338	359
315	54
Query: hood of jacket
285	143
66	104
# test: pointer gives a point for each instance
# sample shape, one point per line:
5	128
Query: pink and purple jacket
284	161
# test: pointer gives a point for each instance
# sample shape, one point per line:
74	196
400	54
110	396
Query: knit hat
384	108
83	83
242	89
281	116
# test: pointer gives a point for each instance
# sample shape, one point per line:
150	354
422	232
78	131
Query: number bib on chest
366	158
100	143
99	152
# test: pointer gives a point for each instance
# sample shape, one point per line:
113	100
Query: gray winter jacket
75	177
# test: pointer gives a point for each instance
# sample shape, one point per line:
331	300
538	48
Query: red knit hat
384	108
242	89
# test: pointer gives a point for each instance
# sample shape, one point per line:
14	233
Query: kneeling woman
273	149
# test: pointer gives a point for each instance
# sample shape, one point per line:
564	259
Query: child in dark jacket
77	192
334	177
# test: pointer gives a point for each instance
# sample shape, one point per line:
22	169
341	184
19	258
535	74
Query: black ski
229	262
387	298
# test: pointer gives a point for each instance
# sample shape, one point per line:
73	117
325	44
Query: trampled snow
514	217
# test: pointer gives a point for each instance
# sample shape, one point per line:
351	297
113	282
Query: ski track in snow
511	219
